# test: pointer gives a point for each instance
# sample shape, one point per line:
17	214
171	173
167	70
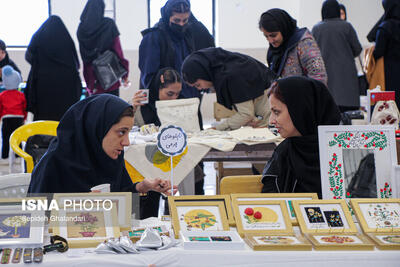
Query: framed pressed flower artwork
277	242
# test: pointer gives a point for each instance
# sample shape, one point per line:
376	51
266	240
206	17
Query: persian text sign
171	140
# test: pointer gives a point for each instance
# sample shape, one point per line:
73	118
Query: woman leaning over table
89	150
294	166
292	50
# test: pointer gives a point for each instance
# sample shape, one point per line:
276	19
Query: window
201	9
20	19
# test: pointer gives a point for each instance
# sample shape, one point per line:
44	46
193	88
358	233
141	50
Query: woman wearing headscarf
339	45
175	36
239	81
96	34
292	50
53	83
89	150
387	45
343	13
294	166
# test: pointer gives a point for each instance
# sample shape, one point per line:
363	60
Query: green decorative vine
386	192
368	140
335	174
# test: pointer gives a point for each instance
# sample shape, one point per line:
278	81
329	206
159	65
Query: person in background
339	45
12	107
53	82
387	45
5	59
343	13
239	81
169	42
96	34
292	51
294	166
89	151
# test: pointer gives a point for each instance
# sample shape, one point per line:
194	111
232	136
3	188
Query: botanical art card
19	226
340	242
220	240
198	216
288	197
378	215
277	242
262	216
87	228
324	216
386	241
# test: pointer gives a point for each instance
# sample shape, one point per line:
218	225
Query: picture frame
273	242
388	241
346	150
377	215
396	179
288	197
262	217
89	229
20	227
198	216
212	240
225	199
122	200
330	216
335	242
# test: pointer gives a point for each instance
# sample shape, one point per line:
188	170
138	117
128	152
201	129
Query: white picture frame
341	148
212	240
396	180
27	226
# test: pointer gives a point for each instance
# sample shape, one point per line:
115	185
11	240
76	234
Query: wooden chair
241	184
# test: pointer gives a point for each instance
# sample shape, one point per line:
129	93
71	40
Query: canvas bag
179	112
108	69
385	113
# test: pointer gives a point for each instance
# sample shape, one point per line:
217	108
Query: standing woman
239	81
339	45
53	83
343	13
387	45
292	51
97	34
294	166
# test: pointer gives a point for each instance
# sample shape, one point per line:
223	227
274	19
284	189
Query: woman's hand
137	98
157	184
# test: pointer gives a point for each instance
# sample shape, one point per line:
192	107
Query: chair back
241	184
14	185
22	134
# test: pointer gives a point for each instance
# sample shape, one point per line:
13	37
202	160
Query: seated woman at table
294	166
89	150
240	83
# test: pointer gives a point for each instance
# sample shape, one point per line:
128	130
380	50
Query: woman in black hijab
89	150
292	51
239	82
343	13
294	166
97	34
53	83
387	45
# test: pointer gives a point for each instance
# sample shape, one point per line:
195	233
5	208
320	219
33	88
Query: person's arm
138	118
381	44
311	60
355	44
118	50
149	59
244	114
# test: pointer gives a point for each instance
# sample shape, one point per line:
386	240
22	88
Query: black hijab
330	9
296	160
75	160
342	7
95	32
391	18
278	20
149	111
45	44
236	77
166	13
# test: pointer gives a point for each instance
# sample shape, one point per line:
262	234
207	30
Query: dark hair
180	8
276	91
128	112
2	45
170	76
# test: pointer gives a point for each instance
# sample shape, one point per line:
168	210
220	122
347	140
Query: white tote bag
385	113
179	112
